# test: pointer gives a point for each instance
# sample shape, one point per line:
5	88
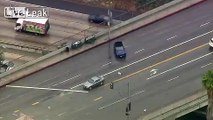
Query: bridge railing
180	108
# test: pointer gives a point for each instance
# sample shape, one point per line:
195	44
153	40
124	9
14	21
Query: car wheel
90	88
90	21
210	48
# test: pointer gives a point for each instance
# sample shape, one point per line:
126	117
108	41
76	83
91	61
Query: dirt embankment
127	5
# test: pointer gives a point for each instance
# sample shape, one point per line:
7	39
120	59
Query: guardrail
116	31
179	108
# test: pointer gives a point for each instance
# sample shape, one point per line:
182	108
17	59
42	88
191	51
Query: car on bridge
119	50
99	19
93	82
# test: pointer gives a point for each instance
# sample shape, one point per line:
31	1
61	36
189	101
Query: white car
93	82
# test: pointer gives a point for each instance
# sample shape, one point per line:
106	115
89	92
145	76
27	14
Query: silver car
93	82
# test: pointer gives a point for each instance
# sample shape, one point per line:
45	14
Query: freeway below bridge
175	48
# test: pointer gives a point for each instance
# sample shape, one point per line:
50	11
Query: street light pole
109	27
109	47
128	107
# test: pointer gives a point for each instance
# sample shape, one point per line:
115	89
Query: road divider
101	38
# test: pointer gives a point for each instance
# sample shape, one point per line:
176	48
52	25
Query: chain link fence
146	5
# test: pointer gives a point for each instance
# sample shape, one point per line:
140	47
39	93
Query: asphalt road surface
165	62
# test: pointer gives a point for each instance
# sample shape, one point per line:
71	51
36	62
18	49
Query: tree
207	80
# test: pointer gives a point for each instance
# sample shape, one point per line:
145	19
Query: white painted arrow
153	71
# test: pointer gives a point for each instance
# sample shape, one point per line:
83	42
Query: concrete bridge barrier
179	108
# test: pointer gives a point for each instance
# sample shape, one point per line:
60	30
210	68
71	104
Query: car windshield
91	81
120	50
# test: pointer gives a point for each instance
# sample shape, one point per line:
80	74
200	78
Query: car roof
95	78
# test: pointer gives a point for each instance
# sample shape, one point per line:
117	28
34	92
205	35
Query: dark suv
119	50
99	19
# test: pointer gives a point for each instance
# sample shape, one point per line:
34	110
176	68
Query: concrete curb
117	31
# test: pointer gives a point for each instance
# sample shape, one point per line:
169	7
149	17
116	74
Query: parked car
93	82
119	50
99	19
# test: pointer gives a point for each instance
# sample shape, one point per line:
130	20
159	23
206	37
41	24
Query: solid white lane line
160	52
61	114
204	24
118	101
171	37
138	51
98	98
106	64
205	65
173	79
51	89
76	76
180	65
35	103
76	86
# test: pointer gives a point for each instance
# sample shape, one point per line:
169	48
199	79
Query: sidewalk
103	39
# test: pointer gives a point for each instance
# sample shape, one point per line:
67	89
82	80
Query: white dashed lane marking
76	76
206	65
138	51
106	64
204	24
172	37
173	79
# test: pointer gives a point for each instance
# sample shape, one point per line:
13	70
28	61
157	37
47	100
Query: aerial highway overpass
175	48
